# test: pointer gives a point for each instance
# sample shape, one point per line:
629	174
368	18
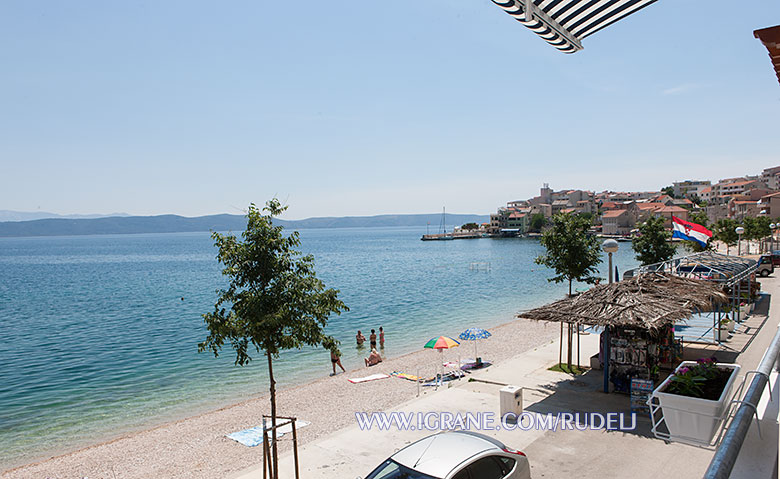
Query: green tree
668	191
273	301
572	253
697	201
756	229
470	226
751	231
653	243
537	222
699	217
724	230
587	216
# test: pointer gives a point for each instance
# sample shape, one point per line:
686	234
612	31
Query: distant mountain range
63	226
8	215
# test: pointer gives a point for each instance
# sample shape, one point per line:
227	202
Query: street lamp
739	230
609	246
772	227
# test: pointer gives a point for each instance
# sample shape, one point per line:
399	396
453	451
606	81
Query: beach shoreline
196	446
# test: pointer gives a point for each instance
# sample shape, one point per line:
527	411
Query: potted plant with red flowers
693	400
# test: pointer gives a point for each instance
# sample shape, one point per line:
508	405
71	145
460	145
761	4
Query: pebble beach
196	447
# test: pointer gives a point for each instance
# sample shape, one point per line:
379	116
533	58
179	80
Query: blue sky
358	108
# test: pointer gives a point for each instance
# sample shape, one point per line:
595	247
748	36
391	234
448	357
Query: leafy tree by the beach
653	243
572	253
470	226
587	216
724	230
756	229
700	218
763	230
537	222
273	301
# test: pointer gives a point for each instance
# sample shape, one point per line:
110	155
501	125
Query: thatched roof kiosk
648	301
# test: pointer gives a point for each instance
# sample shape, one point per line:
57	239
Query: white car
454	455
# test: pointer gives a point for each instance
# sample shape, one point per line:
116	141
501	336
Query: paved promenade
352	452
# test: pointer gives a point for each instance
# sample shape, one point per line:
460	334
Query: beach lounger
409	377
373	377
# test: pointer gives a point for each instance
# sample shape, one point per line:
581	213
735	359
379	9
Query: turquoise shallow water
96	338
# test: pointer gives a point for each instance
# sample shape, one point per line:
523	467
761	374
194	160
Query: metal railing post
728	451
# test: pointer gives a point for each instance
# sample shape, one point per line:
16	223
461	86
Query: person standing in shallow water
335	358
381	337
372	339
360	338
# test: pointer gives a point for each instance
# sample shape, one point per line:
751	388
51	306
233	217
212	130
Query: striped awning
564	23
770	37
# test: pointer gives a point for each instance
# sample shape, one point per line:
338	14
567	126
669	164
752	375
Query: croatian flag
690	231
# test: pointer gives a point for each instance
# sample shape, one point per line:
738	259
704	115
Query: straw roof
647	301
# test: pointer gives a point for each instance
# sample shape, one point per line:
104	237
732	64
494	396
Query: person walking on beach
360	338
372	339
335	358
381	337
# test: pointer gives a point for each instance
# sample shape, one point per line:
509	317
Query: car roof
439	454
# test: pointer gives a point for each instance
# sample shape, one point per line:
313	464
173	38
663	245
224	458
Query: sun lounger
452	375
373	377
409	377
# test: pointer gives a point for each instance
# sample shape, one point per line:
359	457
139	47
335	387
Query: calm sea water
99	334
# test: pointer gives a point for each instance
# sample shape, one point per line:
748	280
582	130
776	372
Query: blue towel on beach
254	436
249	437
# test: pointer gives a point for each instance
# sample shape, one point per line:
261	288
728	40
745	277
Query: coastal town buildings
620	212
769	205
688	188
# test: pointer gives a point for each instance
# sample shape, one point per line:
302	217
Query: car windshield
392	470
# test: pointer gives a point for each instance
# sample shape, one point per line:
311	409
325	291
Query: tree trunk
560	347
568	341
274	449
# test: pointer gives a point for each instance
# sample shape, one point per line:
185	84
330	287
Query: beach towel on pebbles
373	377
254	436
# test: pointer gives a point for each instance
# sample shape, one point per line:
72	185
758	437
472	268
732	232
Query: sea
99	334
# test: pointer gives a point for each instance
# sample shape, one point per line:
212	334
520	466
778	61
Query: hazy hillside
9	215
179	224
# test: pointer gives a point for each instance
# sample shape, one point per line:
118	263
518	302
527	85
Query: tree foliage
724	230
668	191
571	251
700	218
653	243
273	301
537	222
470	226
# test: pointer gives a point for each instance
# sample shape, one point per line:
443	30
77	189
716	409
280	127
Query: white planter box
723	334
731	326
693	419
743	312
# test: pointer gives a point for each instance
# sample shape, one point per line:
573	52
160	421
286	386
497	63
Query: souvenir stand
638	353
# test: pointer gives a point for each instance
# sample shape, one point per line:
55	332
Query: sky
358	108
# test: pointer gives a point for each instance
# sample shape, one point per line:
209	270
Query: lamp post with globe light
609	246
739	230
